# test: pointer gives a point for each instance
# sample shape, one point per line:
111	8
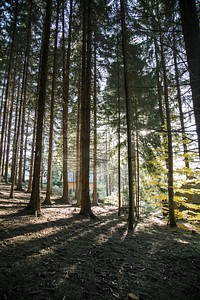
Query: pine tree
191	32
34	203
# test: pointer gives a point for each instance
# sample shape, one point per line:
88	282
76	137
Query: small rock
132	296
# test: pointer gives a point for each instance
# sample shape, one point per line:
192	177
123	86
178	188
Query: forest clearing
61	255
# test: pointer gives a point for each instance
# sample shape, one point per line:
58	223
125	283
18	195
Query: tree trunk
95	195
8	81
50	156
181	114
85	109
24	96
66	71
119	140
172	219
107	159
9	128
128	115
32	153
15	141
25	147
78	150
34	203
2	96
191	32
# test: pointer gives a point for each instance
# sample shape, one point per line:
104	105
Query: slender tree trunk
24	96
119	141
9	129
137	176
66	72
15	141
34	203
172	219
32	153
78	152
191	32
95	196
128	115
85	109
136	163
8	81
2	97
118	129
160	94
50	156
181	114
107	160
5	143
25	146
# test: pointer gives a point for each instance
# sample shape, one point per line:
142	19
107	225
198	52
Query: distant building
72	182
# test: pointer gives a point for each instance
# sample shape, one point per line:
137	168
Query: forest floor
62	256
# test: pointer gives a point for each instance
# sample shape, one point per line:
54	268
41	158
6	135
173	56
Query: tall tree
8	80
9	128
18	110
24	98
95	195
50	152
172	219
128	113
85	107
181	112
34	203
191	32
66	72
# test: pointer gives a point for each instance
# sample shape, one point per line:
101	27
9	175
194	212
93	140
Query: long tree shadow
61	255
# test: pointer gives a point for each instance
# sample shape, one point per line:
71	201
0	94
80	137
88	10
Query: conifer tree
191	32
34	203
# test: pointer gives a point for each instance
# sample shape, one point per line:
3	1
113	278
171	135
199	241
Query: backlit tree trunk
181	114
128	115
172	219
191	32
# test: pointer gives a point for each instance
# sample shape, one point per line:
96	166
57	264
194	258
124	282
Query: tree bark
15	142
66	71
95	195
191	32
119	140
51	130
34	203
9	128
181	114
78	147
172	219
8	81
85	109
25	147
128	115
32	153
23	98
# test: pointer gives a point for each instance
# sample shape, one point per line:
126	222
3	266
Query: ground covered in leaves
62	256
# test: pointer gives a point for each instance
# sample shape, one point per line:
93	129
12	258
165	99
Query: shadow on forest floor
61	255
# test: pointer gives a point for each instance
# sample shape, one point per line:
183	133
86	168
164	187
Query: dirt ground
63	256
